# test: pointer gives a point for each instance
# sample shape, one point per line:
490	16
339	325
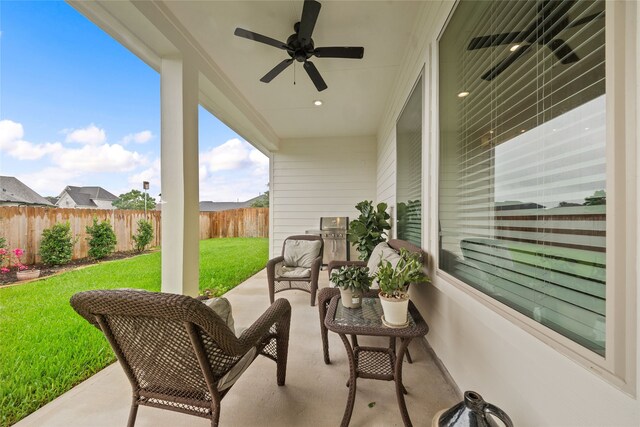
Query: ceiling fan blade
310	12
240	32
315	76
563	52
586	19
276	70
495	40
339	52
504	64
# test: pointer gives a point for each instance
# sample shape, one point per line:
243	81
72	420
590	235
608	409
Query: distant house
86	198
209	206
224	206
15	193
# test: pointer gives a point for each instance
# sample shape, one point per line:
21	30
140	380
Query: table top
367	320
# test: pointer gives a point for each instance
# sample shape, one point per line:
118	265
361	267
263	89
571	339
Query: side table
380	363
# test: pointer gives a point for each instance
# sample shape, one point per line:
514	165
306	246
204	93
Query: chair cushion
234	373
222	308
282	270
301	253
381	252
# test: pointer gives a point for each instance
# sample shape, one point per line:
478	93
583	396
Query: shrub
102	239
143	236
56	246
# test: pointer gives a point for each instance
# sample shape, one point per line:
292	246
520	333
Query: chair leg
133	412
313	297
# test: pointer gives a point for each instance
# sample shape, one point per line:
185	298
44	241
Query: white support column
179	161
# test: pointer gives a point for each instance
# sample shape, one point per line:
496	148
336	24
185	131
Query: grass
46	348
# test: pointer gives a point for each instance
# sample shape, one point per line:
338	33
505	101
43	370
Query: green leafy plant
102	239
352	277
143	236
369	228
393	281
134	199
56	246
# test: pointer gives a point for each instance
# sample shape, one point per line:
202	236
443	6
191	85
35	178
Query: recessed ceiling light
514	47
317	102
463	94
521	130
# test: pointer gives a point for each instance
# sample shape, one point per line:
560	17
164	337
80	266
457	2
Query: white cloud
138	138
91	135
99	158
11	142
151	174
233	154
233	171
51	181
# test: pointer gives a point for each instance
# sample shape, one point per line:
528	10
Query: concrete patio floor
314	395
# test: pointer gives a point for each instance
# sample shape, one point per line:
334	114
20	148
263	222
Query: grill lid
334	223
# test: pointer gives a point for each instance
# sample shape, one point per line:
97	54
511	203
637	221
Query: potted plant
394	282
23	272
369	228
353	281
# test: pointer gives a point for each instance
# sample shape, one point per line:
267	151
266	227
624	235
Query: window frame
618	366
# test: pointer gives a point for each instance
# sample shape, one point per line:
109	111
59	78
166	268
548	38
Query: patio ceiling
358	90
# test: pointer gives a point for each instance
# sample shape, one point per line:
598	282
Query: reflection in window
522	207
409	168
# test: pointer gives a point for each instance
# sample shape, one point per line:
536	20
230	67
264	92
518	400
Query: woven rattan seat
278	283
177	352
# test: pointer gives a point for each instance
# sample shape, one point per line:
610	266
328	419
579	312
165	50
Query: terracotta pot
395	309
28	274
350	299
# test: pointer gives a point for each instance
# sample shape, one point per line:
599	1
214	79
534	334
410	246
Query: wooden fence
22	226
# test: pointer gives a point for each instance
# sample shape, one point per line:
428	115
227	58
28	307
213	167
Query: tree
56	246
262	201
134	199
143	236
102	239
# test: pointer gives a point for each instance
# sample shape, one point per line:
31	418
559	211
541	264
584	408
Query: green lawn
46	348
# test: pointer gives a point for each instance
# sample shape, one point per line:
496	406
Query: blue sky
77	108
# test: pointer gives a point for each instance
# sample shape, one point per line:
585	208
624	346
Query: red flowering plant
5	260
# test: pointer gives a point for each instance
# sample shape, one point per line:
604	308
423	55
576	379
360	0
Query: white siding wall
318	177
483	350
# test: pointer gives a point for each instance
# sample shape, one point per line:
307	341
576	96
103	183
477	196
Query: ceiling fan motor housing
298	51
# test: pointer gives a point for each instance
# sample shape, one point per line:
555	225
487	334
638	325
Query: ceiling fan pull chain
294	73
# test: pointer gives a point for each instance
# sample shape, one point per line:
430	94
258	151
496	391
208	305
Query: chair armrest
337	264
272	262
278	311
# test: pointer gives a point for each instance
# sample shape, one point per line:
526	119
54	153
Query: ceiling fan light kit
300	46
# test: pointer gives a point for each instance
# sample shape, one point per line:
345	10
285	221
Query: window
522	208
409	175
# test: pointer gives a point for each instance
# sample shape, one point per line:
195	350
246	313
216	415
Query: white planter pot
395	310
350	299
28	274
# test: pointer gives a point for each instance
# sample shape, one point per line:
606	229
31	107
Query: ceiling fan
300	46
551	21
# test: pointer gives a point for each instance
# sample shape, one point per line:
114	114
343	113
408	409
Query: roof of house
14	190
84	196
209	206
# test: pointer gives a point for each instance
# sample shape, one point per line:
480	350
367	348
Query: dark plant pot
473	411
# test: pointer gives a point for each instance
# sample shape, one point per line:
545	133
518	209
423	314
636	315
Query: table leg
352	382
400	390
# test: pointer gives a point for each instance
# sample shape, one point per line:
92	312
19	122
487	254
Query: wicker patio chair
177	352
282	278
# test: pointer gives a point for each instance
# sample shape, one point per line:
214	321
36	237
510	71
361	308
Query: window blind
522	159
409	168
